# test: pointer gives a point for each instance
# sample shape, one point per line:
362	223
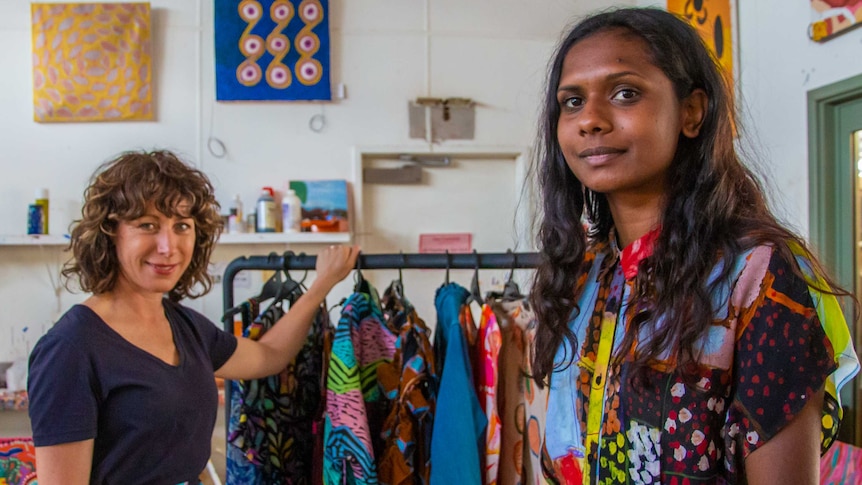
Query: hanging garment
239	470
320	416
459	422
535	407
355	405
514	317
471	333
487	351
277	414
409	382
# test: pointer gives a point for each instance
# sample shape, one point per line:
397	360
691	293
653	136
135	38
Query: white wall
780	65
777	65
386	52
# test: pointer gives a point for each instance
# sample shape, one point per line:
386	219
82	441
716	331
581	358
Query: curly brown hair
120	190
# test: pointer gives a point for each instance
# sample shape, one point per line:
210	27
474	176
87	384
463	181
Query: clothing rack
291	261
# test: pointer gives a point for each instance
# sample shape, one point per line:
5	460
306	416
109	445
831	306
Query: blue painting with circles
272	50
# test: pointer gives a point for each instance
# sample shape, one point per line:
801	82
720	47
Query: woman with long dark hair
685	335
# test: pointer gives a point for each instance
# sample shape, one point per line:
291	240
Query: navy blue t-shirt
152	422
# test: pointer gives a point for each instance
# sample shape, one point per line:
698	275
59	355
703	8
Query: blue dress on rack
455	459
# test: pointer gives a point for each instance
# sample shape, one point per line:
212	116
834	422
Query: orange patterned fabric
515	318
408	381
17	461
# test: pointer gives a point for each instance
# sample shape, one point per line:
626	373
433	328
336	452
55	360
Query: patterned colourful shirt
486	373
277	414
774	343
355	405
410	384
521	408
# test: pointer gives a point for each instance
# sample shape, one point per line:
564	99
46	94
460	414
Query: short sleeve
63	402
783	356
219	345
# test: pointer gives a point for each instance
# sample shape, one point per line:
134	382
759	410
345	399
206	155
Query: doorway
835	200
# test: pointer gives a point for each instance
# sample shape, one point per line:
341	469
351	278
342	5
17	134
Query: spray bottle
42	202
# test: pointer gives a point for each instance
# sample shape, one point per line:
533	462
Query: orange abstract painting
91	62
712	19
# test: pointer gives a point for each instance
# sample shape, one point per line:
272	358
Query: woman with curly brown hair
121	388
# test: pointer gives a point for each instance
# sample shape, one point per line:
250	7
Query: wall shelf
232	239
286	238
33	240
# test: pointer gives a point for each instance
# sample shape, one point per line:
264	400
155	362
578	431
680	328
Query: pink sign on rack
461	242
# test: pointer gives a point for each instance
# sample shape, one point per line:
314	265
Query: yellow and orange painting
91	62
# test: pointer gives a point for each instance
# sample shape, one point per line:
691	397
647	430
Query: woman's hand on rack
335	263
279	345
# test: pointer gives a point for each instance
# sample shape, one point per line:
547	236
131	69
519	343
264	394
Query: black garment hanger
271	289
475	293
272	286
511	291
289	288
399	283
361	285
228	315
396	288
448	262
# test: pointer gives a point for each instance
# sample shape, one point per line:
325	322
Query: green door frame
831	200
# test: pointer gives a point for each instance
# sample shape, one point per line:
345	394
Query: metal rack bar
291	261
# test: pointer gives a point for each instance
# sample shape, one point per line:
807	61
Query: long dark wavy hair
715	208
120	190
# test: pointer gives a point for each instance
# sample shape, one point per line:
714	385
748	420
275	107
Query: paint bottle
291	211
235	219
34	219
42	202
237	203
267	212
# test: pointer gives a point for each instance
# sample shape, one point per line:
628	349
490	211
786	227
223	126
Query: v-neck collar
170	314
